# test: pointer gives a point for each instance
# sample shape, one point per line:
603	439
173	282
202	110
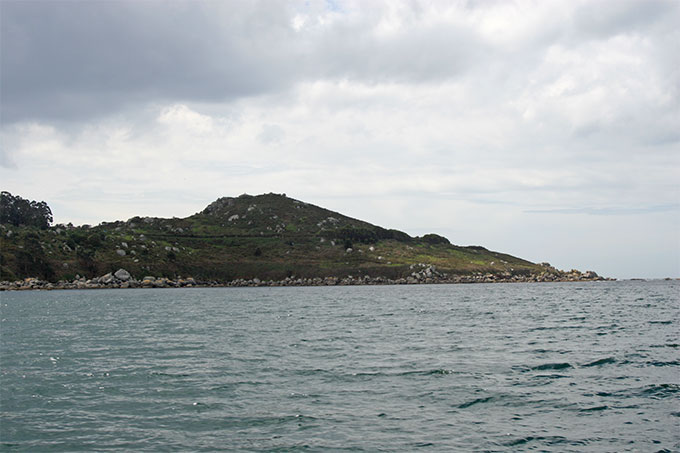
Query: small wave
550	376
434	372
600	362
668	345
440	371
217	388
475	401
170	375
552	366
594	409
538	329
661	390
661	322
521	441
662	363
302	395
313	372
655	391
626	406
366	374
551	440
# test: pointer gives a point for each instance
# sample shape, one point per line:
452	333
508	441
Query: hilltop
253	239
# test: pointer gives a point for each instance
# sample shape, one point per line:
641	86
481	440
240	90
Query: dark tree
19	211
435	239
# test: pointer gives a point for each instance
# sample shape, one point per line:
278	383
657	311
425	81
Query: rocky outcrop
421	274
120	279
425	273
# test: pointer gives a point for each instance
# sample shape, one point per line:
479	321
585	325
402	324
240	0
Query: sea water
490	367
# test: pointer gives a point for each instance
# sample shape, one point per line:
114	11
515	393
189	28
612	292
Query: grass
293	238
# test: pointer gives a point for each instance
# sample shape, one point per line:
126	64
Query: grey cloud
74	60
608	18
419	55
610	210
271	133
6	160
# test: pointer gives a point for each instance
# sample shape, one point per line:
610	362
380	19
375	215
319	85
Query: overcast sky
546	129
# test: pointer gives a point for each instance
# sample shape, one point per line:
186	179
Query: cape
268	239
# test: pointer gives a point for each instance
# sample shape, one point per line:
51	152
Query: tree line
18	211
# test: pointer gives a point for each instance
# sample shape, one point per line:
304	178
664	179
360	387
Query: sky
546	129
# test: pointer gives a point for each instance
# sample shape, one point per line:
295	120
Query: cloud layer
520	126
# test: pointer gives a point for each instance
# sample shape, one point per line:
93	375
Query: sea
563	367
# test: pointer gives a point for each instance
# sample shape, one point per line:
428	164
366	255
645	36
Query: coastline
122	279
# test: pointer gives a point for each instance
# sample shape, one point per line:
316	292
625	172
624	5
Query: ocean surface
488	367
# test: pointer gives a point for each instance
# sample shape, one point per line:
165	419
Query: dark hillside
267	237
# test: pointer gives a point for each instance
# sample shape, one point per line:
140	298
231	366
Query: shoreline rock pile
422	274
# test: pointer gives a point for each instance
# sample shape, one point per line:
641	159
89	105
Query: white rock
122	274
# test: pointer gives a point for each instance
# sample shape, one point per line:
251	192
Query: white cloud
184	120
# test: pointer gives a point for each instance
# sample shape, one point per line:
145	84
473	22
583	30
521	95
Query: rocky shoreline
422	274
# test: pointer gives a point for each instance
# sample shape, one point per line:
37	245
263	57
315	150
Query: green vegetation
268	236
17	211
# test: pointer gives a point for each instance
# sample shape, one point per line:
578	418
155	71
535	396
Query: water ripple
545	367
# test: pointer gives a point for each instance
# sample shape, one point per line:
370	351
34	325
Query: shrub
434	239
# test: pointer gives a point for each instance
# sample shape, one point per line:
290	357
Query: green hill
268	237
